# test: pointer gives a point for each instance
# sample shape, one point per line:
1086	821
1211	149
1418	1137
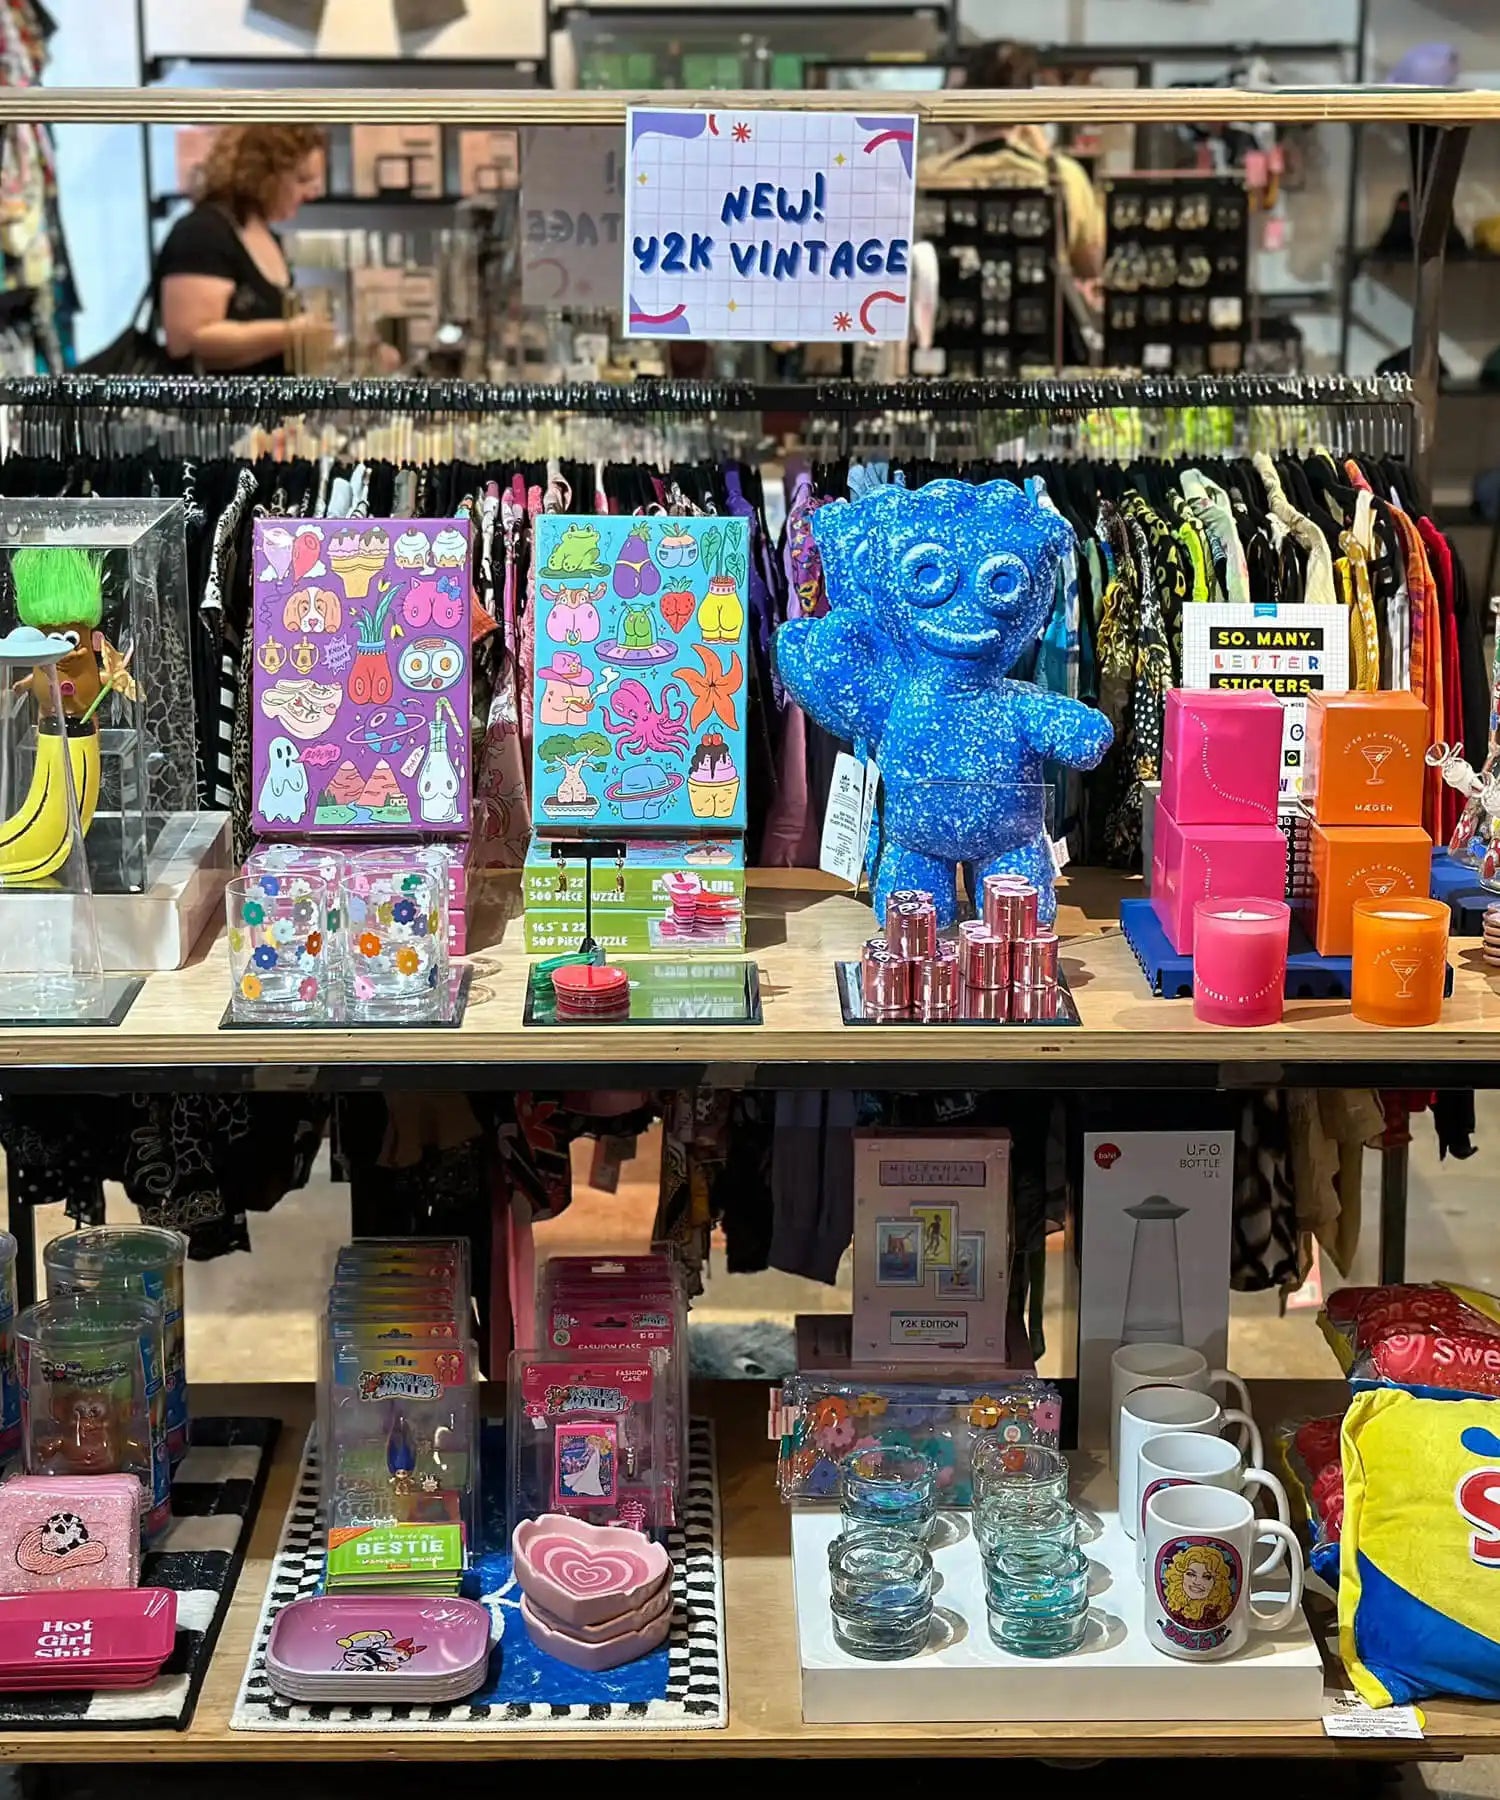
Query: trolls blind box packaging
362	678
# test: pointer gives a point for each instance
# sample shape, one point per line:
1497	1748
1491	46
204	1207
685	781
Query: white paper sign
769	225
1289	651
572	217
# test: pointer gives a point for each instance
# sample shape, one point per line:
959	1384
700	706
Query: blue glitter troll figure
934	595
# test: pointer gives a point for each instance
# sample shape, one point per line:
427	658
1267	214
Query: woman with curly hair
223	287
1197	1586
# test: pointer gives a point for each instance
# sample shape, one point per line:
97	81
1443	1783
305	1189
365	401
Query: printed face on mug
1152	1411
1194	1459
1155	1365
1199	1551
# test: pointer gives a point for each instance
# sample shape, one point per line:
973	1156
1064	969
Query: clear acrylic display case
132	664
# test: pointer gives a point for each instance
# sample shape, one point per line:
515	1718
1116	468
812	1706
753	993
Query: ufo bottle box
362	675
641	674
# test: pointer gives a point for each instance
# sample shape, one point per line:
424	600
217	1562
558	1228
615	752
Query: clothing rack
280	396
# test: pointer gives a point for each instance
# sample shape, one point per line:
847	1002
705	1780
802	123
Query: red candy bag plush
1311	1458
1438	1339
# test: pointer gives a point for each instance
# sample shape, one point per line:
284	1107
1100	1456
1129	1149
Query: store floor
256	1316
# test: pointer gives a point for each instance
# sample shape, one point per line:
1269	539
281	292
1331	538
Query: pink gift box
1211	862
1221	757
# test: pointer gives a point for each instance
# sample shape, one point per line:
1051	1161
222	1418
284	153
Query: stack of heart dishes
593	1596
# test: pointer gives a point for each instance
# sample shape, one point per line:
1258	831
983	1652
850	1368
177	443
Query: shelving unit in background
1128	1040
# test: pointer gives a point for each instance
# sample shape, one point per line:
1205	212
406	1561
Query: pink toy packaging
586	1436
1221	757
1211	862
60	1532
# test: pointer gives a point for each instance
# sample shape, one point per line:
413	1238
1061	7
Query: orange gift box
1361	862
1364	758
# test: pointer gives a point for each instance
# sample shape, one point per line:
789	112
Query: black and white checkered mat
682	1687
215	1497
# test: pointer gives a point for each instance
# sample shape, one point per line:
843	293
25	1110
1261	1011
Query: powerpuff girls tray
362	677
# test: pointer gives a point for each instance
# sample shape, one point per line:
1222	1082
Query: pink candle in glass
1239	961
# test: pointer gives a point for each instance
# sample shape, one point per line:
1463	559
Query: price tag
841	851
1352	1718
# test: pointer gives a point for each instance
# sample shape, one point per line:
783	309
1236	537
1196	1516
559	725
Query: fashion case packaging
1154	1253
1360	862
362	678
931	1246
641	674
1221	757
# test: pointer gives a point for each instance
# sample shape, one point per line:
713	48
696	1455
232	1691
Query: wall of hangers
282	396
550	106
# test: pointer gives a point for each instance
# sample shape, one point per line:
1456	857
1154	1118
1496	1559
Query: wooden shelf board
795	935
764	1690
550	106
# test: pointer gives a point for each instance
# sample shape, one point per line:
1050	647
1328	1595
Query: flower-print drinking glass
398	940
321	862
278	932
891	1487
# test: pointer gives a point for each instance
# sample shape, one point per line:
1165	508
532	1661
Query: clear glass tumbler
889	1487
1005	1530
278	936
135	1259
322	862
92	1396
398	939
1037	1608
1023	1477
881	1584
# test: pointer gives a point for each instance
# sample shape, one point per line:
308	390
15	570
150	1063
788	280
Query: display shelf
765	1718
796	931
558	106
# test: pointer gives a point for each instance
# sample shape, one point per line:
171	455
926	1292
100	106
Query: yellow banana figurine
59	597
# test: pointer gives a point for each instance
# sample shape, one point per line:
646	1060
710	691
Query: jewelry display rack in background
171	1037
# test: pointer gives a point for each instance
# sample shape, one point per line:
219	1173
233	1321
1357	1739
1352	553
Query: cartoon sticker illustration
312	608
574	619
649	619
431	664
362	654
283	793
898	1253
639	725
572	754
376	1652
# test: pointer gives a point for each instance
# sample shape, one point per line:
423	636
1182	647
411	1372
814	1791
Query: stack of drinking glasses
1036	1579
879	1568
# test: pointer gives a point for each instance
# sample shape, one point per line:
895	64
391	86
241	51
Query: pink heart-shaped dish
594	1656
637	1619
583	1574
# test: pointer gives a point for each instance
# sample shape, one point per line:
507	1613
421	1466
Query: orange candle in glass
1400	961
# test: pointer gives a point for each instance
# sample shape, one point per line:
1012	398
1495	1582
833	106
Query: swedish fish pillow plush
1419	1557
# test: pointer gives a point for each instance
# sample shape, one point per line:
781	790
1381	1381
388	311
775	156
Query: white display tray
962	1676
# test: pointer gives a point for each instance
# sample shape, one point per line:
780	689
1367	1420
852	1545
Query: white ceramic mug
1199	1548
1194	1459
1150	1412
1151	1365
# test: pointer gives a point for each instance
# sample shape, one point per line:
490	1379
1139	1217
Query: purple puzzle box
362	673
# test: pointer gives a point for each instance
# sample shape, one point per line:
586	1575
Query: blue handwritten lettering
646	251
843	260
743	257
895	257
788	261
761	207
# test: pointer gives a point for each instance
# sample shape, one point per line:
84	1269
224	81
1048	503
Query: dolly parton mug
1194	1459
1149	1413
1199	1548
1152	1365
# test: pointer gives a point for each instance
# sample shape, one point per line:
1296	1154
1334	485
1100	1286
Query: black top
205	242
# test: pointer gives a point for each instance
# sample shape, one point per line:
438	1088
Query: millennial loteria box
931	1246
